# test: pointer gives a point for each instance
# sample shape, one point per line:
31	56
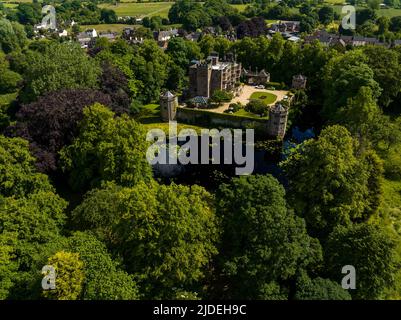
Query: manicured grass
244	113
147	9
151	119
107	27
266	97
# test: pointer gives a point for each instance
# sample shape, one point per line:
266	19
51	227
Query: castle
207	76
274	127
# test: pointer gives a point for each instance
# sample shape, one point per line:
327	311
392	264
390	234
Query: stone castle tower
278	116
168	106
299	81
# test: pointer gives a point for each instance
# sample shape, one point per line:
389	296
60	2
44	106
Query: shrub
257	107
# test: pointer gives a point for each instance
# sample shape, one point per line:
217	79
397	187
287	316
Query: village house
285	26
111	36
87	39
163	37
329	39
130	35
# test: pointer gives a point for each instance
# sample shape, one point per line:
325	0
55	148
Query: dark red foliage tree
51	122
114	83
252	28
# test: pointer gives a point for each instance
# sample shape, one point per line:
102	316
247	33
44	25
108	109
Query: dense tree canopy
12	35
106	149
51	122
172	226
264	244
59	66
371	250
329	182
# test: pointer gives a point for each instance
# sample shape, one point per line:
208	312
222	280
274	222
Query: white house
63	33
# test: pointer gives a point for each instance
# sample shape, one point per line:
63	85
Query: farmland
133	9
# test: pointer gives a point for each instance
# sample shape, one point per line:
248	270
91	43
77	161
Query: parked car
260	87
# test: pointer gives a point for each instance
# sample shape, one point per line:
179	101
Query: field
389	12
107	27
16	1
266	97
142	10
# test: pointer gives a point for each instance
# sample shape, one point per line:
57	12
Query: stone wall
221	120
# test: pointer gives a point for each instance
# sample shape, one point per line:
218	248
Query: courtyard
270	97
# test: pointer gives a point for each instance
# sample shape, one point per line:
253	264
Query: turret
278	115
168	106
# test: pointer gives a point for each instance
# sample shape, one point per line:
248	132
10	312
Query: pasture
146	9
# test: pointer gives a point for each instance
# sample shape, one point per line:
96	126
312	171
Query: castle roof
168	95
299	77
278	107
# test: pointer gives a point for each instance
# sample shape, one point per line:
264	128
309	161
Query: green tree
150	66
9	80
104	278
344	75
58	66
320	289
386	72
264	244
172	226
220	96
326	14
69	276
373	4
257	107
183	51
12	36
18	176
370	249
106	149
8	264
329	181
360	115
383	23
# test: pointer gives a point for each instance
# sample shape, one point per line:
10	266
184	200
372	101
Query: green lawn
266	97
151	119
147	9
244	113
107	27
